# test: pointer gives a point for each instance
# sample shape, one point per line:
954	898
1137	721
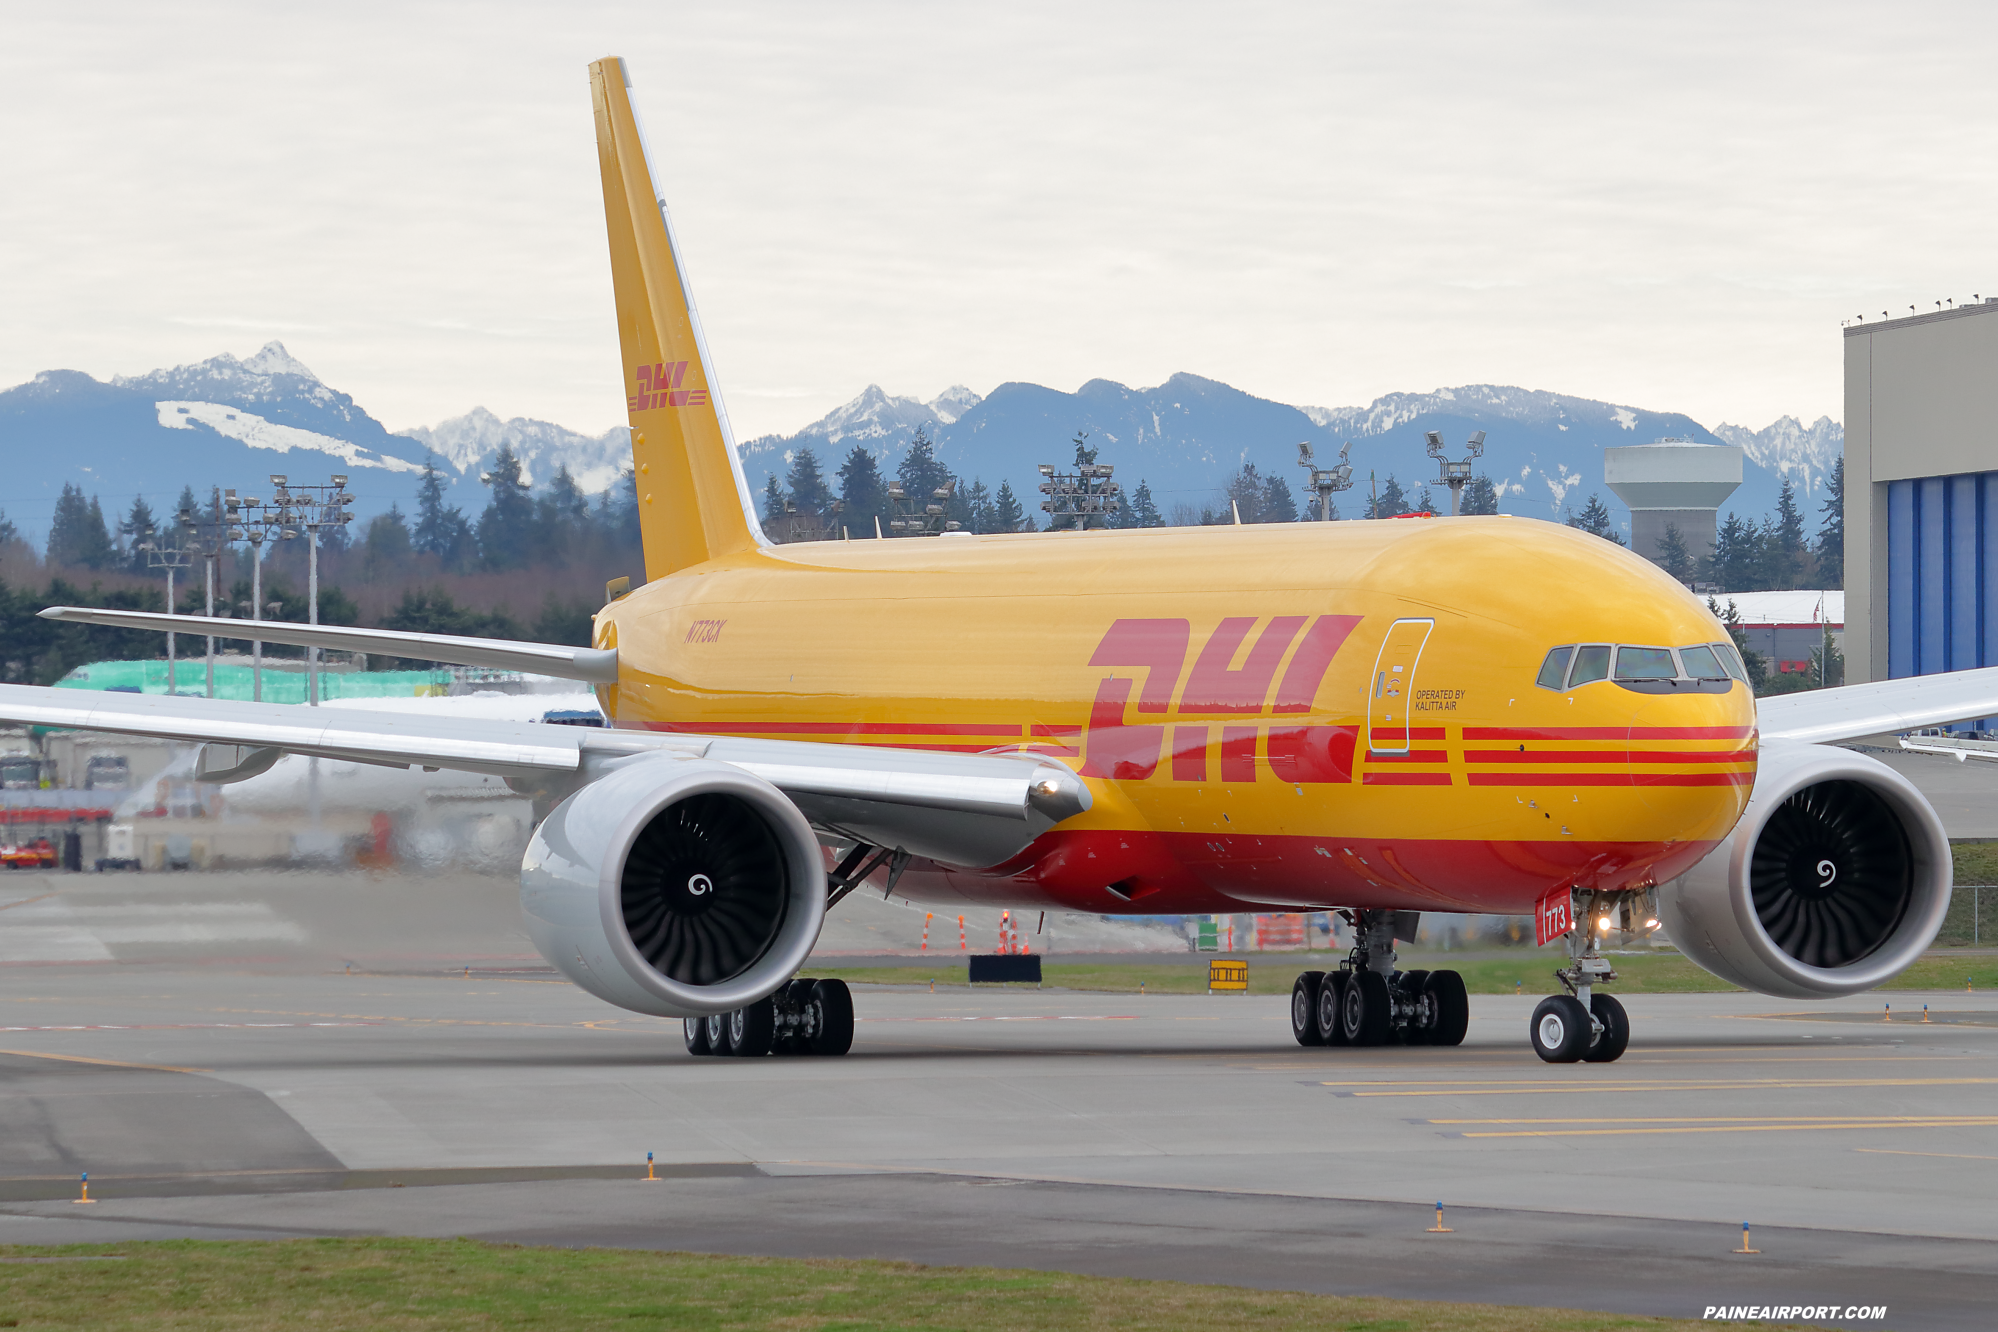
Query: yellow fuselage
1232	697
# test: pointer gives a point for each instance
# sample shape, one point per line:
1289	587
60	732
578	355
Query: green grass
393	1284
1530	972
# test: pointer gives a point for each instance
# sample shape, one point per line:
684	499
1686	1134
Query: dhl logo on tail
659	385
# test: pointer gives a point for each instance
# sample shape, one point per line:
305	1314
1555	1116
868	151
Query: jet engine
675	887
1835	879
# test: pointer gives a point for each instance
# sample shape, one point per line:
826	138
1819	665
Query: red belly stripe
1612	779
1607	756
1407	779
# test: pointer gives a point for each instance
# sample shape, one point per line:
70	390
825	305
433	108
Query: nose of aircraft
1692	758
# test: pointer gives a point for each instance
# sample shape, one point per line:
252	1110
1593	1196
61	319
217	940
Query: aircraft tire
1364	1010
1453	1007
1410	983
716	1027
1331	1000
835	1002
752	1029
1304	1008
1560	1029
1615	1038
697	1036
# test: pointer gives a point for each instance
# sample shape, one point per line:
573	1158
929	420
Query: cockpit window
1592	662
1701	663
1555	669
1732	661
1645	663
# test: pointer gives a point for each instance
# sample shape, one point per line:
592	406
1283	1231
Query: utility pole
1454	474
1326	481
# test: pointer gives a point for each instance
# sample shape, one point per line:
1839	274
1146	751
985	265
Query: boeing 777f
1376	718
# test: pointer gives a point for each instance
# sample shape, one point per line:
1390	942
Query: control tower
1675	483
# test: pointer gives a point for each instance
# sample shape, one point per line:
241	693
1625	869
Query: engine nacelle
1835	879
675	887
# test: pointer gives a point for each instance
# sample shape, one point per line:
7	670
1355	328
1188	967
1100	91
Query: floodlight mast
171	558
1455	474
1325	482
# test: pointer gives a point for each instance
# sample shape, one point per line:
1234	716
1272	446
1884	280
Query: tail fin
693	503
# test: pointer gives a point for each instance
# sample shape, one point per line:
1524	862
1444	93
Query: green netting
233	680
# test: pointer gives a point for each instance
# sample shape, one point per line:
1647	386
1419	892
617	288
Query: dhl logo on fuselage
1120	749
661	385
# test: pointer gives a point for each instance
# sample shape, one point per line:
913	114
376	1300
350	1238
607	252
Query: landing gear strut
1582	1024
1368	1002
804	1017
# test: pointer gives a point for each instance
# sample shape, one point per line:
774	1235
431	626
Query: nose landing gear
1582	1024
1368	1002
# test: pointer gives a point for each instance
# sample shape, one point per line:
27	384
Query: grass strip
386	1285
1532	972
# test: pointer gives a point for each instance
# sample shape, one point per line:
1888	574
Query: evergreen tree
1425	501
1737	556
1278	506
8	532
1480	496
387	547
617	513
807	486
561	519
1596	521
76	532
1007	516
440	530
1786	549
138	526
1391	503
773	500
506	528
1248	493
1083	453
1673	557
863	492
978	507
920	473
1144	511
1831	536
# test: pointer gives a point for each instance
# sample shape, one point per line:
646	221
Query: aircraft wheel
1410	984
1561	1030
752	1030
1331	1003
835	1026
1304	1008
697	1036
1615	1038
1452	1005
715	1027
1364	1011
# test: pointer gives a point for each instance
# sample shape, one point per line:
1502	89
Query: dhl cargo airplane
1380	718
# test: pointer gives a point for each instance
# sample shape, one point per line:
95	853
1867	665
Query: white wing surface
962	809
1883	707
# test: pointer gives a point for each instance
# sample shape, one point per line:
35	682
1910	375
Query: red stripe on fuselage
1406	779
1607	756
1626	733
1612	779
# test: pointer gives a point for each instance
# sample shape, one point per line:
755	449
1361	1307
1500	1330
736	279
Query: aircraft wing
962	809
592	665
1822	716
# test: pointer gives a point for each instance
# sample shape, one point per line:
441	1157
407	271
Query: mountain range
229	421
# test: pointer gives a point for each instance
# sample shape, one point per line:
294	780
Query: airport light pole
1326	481
1087	495
172	559
311	508
1455	474
211	536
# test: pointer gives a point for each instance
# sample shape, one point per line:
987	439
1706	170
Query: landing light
1651	924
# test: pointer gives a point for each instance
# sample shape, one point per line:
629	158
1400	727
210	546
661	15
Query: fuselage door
1393	687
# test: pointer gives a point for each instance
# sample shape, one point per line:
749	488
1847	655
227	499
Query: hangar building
1921	493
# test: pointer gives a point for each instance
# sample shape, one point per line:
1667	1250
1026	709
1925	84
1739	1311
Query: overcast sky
1669	206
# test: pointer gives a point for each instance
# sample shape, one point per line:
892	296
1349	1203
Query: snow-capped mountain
1788	447
467	445
882	422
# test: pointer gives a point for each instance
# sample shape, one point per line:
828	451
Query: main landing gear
1581	1024
804	1017
1368	1002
